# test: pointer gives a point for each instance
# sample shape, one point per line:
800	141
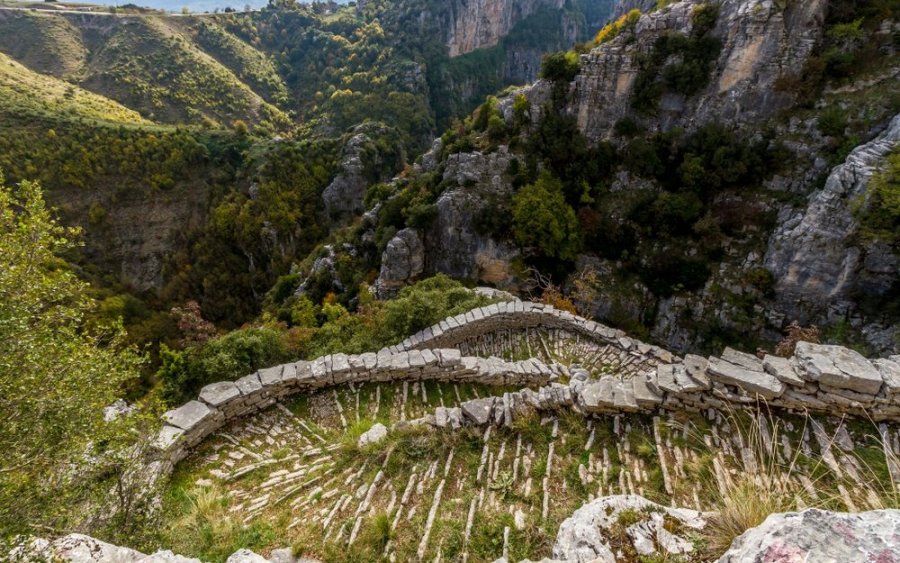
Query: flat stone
782	369
188	415
759	382
478	410
271	376
599	396
818	535
303	373
370	360
246	556
249	384
168	437
644	396
743	359
623	397
449	357
890	373
695	366
373	435
839	367
217	394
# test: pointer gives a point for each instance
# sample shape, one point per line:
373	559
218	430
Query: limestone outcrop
587	535
818	535
761	40
79	548
402	262
817	261
475	24
361	161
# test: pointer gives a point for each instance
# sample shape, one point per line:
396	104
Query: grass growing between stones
295	476
831	471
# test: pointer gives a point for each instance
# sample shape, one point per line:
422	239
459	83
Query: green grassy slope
250	65
151	66
45	43
27	93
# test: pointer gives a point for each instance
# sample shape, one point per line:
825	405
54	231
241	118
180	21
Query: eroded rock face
761	41
817	535
402	261
482	23
79	548
586	535
362	164
816	262
454	244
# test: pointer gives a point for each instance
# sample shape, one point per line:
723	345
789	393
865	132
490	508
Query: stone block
249	384
189	415
695	366
478	410
890	373
273	376
742	359
217	394
644	396
764	384
839	367
782	369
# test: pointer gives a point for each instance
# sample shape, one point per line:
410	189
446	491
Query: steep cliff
718	125
476	24
820	263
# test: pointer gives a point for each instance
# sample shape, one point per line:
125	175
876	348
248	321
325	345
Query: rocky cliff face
818	263
475	24
795	235
132	233
761	41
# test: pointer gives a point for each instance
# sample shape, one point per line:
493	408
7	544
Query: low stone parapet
219	403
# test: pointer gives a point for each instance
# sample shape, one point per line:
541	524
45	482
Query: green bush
184	372
560	67
543	220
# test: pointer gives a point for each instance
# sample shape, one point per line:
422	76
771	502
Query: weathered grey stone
890	373
644	396
742	359
695	366
249	384
216	394
599	396
189	415
838	367
373	435
478	410
168	438
588	535
245	556
782	369
273	375
817	535
759	382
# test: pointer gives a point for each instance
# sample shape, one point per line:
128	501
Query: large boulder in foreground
818	535
625	527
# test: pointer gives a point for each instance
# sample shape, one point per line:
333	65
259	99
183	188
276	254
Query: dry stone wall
218	403
817	379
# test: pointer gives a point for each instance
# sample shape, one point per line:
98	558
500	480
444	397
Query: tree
57	373
560	67
542	219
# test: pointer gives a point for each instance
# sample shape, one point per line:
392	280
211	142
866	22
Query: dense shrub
543	220
560	67
238	353
678	62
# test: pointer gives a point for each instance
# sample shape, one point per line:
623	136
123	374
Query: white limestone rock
818	535
373	435
584	536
